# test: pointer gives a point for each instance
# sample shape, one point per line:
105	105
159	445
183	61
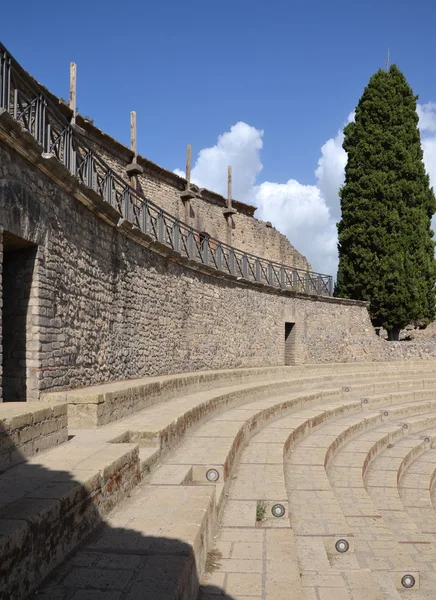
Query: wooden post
188	185
133	134
133	170
188	164
229	187
229	205
73	90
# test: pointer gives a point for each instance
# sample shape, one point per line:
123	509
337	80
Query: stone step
274	443
101	404
416	488
49	504
217	442
257	480
315	556
152	546
88	458
382	481
148	520
379	546
27	429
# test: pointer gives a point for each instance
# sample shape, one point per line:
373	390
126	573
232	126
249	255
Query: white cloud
306	214
427	125
301	213
427	116
239	147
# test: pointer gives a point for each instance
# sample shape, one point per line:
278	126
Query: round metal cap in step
342	546
408	581
278	510
212	475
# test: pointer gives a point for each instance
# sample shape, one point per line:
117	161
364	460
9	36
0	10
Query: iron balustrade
25	101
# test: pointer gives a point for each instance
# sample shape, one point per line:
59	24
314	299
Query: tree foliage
386	251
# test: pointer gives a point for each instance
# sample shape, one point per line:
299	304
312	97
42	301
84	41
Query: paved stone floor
383	507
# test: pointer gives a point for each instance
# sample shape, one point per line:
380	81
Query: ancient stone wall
110	304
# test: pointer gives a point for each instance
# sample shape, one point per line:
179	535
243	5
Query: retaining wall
108	304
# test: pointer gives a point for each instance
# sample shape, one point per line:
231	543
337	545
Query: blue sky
192	70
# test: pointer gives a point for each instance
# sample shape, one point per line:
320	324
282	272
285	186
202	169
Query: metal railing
25	101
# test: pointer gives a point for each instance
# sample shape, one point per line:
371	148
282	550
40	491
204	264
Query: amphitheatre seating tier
26	429
385	472
102	404
252	438
416	488
63	493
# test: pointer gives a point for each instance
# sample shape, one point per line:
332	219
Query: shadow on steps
46	551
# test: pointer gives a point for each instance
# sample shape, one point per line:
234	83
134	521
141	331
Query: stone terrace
124	510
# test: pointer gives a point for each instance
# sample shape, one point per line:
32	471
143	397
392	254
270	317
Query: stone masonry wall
105	307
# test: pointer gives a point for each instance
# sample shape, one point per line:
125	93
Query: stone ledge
29	428
55	509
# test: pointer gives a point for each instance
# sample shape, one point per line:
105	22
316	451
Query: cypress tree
386	251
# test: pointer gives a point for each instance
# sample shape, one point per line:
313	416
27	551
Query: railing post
190	244
176	236
73	162
282	277
257	270
244	266
144	208
88	178
126	203
69	153
219	256
269	274
15	106
108	188
204	250
232	261
44	124
160	227
5	81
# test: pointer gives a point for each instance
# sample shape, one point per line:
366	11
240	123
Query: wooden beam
73	90
133	132
229	186
188	164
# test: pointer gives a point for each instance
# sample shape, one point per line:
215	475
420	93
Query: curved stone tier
311	448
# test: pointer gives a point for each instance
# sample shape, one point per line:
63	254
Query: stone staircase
179	490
